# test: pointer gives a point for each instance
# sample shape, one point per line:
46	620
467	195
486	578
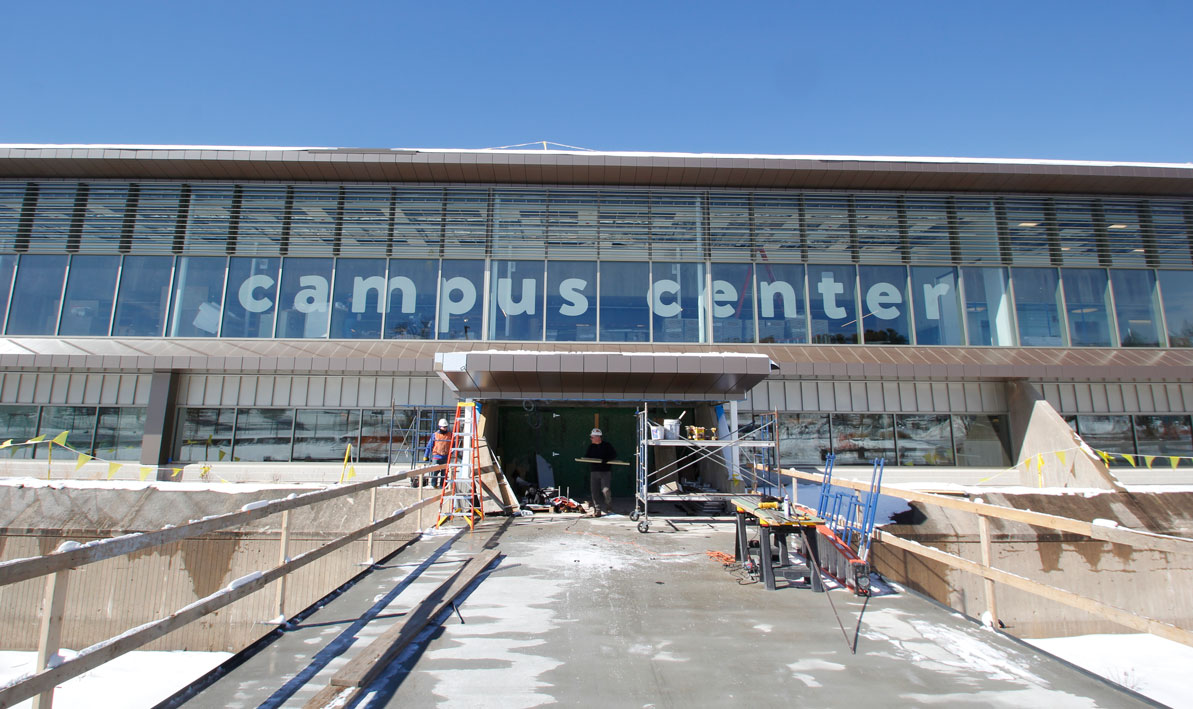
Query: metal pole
48	644
283	557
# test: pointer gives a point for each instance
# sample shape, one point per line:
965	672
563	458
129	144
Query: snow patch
1154	667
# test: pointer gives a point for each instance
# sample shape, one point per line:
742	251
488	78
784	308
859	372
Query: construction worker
600	476
438	446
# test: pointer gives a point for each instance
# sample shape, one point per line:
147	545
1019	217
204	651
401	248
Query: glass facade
107	432
1139	435
970	440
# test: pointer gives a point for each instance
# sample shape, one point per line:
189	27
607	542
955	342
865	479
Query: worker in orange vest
437	448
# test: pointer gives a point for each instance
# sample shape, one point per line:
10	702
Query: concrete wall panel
333	390
273	390
59	388
316	386
42	384
299	387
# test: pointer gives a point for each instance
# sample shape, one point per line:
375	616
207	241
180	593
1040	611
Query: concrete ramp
588	612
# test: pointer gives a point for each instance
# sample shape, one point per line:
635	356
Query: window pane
571	301
18	424
519	224
118	432
1165	436
624	305
803	439
410	303
1037	303
36	295
375	432
418	222
676	303
1075	228
987	306
144	294
782	313
198	294
324	435
1124	238
937	305
209	219
250	301
157	213
1177	288
204	434
675	226
982	441
516	300
978	233
729	226
884	305
460	300
365	217
53	216
1171	233
928	230
261	219
263	435
860	438
358	304
8	264
777	228
834	305
925	439
1108	433
304	297
79	420
733	302
90	289
1087	303
103	217
877	220
313	222
1027	230
827	224
1136	309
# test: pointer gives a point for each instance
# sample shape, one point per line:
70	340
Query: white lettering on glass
664	310
409	292
248	300
768	291
505	299
360	292
723	292
932	296
450	306
313	296
829	290
570	290
878	297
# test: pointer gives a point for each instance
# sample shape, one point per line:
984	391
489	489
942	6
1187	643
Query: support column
158	437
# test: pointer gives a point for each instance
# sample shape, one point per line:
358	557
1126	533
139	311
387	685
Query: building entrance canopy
602	375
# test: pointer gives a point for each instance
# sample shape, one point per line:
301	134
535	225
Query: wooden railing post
283	558
984	538
49	640
372	518
422	484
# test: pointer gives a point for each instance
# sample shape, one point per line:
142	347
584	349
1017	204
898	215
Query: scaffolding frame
759	444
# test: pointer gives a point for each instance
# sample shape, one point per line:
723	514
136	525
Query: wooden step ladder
461	494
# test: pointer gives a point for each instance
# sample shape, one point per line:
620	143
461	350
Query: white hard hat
442	423
596	432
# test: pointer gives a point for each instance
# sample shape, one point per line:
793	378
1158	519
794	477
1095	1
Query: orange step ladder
461	494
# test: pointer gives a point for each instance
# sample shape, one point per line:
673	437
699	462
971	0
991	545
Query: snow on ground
136	679
1154	667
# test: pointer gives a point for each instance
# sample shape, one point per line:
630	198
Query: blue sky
1088	80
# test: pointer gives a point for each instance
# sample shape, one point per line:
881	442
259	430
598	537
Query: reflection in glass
358	303
937	305
1087	302
571	301
460	300
803	439
304	298
1037	307
78	420
987	306
323	434
860	438
624	301
1165	436
1177	289
90	290
1138	314
516	300
982	441
410	305
204	434
198	295
18	424
1112	434
733	302
118	432
36	295
375	434
144	294
833	307
263	435
884	305
782	313
675	299
924	439
251	299
8	263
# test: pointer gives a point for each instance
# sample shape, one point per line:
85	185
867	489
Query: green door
559	434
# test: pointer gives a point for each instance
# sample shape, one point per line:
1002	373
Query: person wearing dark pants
438	447
600	474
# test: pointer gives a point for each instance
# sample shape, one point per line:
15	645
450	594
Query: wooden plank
1068	598
373	660
18	570
100	653
597	460
50	640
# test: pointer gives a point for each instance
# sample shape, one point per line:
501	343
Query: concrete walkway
588	612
